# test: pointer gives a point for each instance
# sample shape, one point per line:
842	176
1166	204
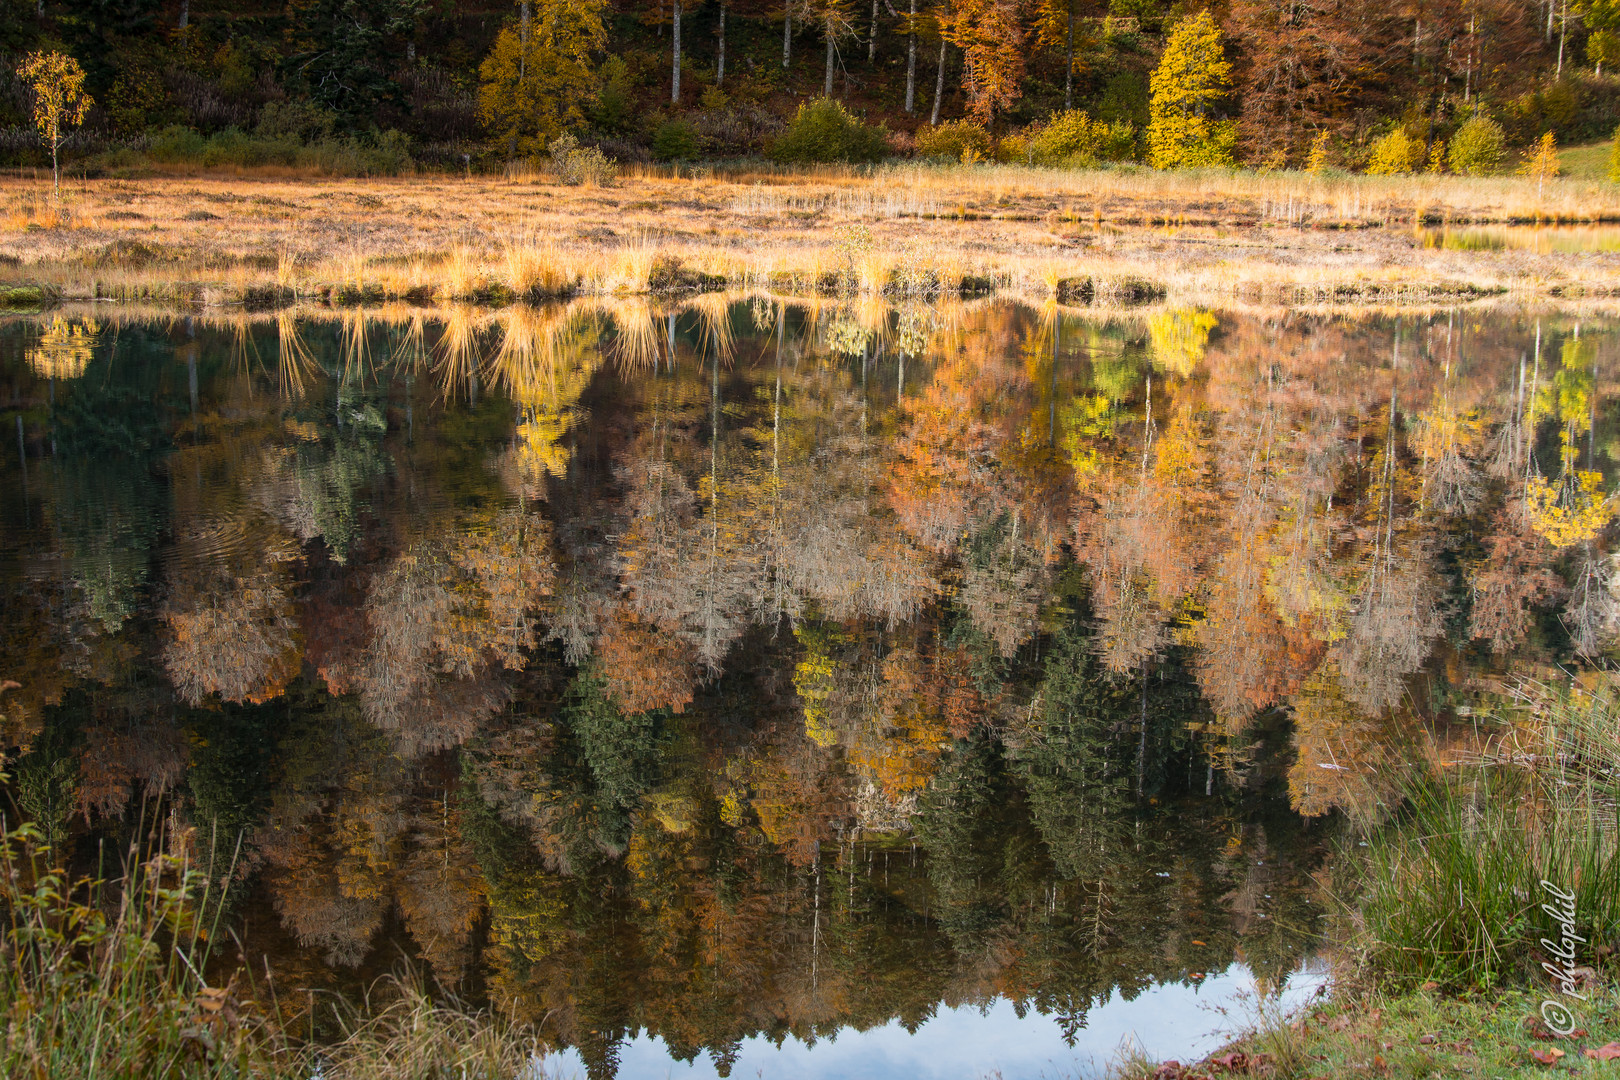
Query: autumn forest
369	87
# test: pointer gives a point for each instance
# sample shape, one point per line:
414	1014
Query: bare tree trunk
871	39
787	36
1563	32
939	83
1141	739
911	61
827	90
185	13
523	40
1068	67
675	79
720	69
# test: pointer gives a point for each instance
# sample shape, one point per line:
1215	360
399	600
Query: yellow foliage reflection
65	349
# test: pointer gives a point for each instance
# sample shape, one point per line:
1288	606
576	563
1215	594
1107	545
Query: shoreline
218	242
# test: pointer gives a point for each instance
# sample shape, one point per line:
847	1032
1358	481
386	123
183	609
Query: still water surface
785	689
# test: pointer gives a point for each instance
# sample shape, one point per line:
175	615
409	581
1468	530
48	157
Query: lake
799	688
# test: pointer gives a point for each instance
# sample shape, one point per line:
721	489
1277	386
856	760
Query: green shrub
958	140
1014	149
1395	154
675	141
1477	147
1555	108
1073	138
388	154
823	130
385	153
1452	892
295	121
176	144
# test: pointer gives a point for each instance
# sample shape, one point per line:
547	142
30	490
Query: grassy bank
1221	236
1448	887
108	978
1412	1035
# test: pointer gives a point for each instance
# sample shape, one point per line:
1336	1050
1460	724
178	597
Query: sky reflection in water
1173	1021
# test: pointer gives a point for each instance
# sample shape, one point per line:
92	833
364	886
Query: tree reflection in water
763	667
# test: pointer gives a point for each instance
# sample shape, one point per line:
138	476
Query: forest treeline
1440	85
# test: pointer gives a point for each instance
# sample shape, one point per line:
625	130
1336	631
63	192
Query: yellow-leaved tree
59	100
1192	77
1541	161
538	77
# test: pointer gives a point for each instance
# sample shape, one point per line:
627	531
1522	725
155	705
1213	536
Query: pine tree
1191	79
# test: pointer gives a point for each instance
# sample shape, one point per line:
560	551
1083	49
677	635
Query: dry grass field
1075	235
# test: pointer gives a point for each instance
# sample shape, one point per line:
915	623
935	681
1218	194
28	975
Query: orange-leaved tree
991	37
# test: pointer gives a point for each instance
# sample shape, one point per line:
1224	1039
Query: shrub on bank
1396	154
675	140
958	140
824	131
385	153
1477	147
575	164
1074	138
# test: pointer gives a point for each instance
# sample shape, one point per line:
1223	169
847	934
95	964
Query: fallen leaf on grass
1536	1028
1548	1056
1605	1053
1427	1040
1430	985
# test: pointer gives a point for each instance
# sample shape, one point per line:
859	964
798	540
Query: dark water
793	691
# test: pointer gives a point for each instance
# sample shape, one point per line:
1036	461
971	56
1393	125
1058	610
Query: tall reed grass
108	978
104	979
1451	890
